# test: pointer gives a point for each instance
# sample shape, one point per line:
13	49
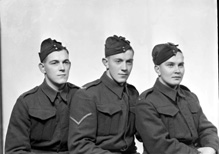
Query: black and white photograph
109	77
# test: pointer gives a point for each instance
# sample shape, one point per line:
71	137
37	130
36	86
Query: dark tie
125	95
58	100
126	106
59	104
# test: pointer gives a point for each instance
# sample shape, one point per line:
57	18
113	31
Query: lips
123	74
177	77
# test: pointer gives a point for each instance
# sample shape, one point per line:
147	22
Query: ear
105	62
42	68
157	70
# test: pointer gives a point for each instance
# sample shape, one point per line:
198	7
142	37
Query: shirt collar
51	93
112	85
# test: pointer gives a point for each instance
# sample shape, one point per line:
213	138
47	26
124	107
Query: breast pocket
194	109
109	117
43	124
168	115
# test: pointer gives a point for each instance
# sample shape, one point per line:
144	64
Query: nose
61	67
177	69
124	66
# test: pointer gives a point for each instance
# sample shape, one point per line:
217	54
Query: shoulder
188	93
72	86
30	92
88	90
146	93
184	88
91	84
146	100
132	89
72	90
27	96
130	86
151	96
191	98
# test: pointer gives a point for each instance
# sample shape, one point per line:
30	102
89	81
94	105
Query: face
119	66
56	68
171	71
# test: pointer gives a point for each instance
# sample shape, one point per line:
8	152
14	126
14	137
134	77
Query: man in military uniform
102	113
169	117
40	118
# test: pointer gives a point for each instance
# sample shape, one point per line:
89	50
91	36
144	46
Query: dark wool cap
48	46
163	52
115	45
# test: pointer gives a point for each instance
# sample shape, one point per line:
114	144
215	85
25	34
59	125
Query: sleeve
208	136
154	134
83	125
17	137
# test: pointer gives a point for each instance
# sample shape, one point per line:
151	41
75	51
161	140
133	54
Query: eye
170	64
66	62
54	62
181	65
130	62
118	61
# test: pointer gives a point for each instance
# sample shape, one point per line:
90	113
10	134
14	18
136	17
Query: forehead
124	55
58	54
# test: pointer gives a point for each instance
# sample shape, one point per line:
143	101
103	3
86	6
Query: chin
61	82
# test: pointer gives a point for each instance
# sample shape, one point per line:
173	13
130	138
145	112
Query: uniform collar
51	93
112	85
169	92
180	92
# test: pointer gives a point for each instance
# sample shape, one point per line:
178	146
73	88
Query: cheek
112	70
113	67
67	68
130	67
50	71
165	73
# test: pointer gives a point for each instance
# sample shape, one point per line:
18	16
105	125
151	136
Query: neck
168	85
119	83
56	87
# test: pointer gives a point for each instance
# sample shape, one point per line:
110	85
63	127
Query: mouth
123	75
62	75
177	77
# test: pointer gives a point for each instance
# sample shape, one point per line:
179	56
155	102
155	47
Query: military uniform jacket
172	122
36	125
101	122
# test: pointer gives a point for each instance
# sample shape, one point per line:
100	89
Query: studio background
83	26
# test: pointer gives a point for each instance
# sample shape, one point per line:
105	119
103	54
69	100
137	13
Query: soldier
169	117
39	120
102	113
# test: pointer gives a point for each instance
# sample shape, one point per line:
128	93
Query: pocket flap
168	110
109	109
42	114
194	107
